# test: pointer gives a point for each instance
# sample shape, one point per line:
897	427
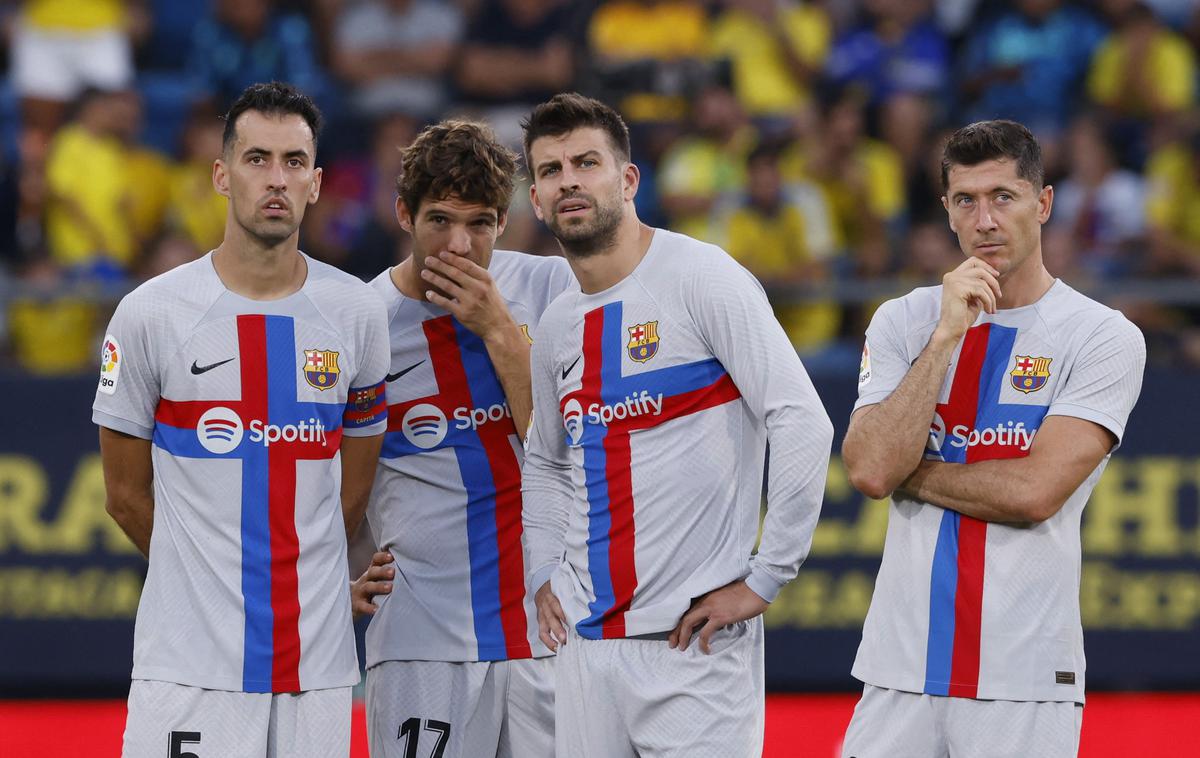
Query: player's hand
473	297
716	610
552	622
376	580
972	287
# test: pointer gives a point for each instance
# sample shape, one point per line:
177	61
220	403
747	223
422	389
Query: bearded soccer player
656	387
988	408
455	667
241	412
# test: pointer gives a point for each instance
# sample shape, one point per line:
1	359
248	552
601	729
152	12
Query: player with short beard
642	525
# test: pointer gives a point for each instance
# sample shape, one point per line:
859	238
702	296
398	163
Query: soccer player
454	661
241	413
655	389
987	409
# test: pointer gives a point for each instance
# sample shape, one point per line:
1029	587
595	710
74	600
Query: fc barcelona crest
321	368
1029	374
643	341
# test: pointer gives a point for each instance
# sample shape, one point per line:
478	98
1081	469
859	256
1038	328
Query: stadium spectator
245	42
1027	63
90	227
901	60
1143	74
703	165
62	47
195	210
647	54
354	225
1101	205
1173	209
516	53
861	178
777	51
396	54
52	327
765	232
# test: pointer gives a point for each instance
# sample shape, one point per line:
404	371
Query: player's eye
296	163
549	170
589	163
1004	197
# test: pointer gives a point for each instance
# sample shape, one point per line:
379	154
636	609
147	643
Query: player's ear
220	177
631	178
403	215
314	191
949	215
533	200
1045	203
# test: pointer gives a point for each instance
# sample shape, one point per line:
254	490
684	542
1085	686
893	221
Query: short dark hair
994	140
568	111
272	99
461	159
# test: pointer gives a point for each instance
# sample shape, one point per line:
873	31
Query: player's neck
1025	285
407	279
260	273
606	268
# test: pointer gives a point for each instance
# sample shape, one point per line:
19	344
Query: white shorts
168	720
59	65
631	698
461	710
897	724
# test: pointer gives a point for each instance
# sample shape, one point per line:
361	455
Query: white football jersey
973	609
447	496
653	404
246	402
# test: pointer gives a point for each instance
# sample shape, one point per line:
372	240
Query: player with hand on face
454	663
656	387
241	413
988	408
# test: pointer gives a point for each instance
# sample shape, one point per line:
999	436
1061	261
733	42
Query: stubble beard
588	239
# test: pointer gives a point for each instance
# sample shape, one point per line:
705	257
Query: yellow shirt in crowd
1170	65
95	172
74	15
1173	200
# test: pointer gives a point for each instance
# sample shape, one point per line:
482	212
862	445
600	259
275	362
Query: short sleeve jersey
246	403
447	496
967	608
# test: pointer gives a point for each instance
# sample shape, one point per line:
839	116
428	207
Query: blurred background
804	137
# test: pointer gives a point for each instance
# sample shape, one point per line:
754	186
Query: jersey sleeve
366	405
129	388
885	358
1106	377
735	318
546	489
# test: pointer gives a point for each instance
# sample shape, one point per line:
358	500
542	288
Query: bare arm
500	71
129	485
1065	452
884	442
360	66
360	455
480	307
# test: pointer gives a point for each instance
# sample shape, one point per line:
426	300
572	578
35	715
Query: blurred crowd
802	136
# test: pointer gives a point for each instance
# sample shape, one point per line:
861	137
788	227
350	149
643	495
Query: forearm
135	516
799	439
509	350
1000	491
885	443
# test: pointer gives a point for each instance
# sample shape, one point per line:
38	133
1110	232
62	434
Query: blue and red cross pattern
976	427
685	389
268	358
491	474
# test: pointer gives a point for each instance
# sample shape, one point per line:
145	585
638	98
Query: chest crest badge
1029	374
643	341
321	368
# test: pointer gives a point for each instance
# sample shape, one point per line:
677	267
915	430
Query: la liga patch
111	358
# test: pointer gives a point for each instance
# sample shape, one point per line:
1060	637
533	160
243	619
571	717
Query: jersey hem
229	684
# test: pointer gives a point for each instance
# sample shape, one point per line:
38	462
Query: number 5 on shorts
410	731
176	742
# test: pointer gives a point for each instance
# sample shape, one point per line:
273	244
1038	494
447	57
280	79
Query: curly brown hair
459	159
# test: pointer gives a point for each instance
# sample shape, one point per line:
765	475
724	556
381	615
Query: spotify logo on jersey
573	420
219	430
424	425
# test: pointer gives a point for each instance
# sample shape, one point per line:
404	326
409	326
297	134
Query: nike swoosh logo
568	369
198	370
402	372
